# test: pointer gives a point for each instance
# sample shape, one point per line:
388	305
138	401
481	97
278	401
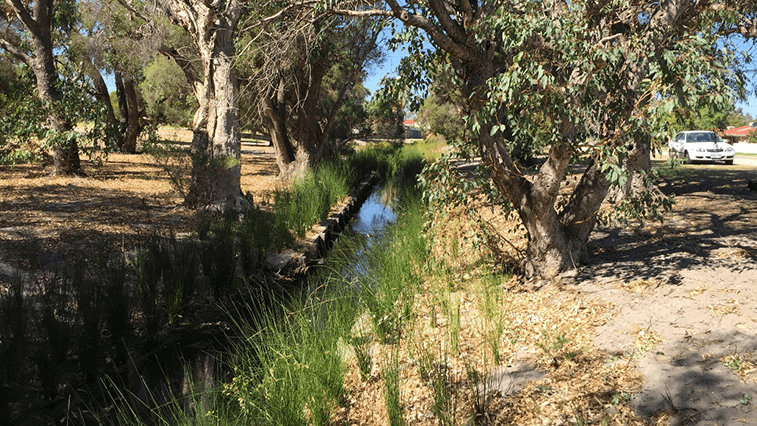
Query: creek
197	351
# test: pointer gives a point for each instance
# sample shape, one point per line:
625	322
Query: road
740	160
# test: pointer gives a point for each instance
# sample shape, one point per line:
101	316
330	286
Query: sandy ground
684	292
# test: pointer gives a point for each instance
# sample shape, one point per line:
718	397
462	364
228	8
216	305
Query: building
411	130
738	134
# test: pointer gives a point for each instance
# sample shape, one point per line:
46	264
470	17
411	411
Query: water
374	215
154	378
368	227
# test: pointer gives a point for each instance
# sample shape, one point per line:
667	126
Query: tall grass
288	368
196	406
392	394
289	361
310	197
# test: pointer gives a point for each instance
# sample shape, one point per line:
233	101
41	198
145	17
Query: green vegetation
308	200
158	289
167	96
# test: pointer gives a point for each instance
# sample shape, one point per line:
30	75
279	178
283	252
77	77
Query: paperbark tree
216	140
216	143
27	34
574	79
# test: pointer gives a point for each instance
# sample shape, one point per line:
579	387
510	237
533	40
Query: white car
700	145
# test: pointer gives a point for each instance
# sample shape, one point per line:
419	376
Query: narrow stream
148	379
368	226
374	215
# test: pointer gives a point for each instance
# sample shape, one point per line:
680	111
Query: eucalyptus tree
111	40
573	79
32	32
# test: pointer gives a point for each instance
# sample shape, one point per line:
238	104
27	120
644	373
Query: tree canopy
578	79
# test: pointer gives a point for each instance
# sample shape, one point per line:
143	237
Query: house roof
409	123
739	131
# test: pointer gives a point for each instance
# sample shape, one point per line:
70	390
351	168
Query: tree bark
123	107
65	148
132	130
274	118
102	96
216	141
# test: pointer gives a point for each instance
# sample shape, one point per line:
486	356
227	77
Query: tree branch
458	50
15	51
467	12
185	64
368	13
25	16
133	10
451	27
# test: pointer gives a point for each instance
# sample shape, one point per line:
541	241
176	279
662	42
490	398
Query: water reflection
367	228
372	217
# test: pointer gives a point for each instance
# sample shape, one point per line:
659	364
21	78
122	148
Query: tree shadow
696	385
712	221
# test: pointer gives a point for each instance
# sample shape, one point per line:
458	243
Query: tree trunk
132	129
557	240
216	140
275	116
301	150
65	147
123	107
128	108
636	164
216	143
102	95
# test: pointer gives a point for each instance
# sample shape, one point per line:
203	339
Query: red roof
739	131
409	123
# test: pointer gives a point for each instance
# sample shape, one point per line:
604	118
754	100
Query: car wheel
728	162
686	158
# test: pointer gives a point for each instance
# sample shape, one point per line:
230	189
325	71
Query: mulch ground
659	325
122	199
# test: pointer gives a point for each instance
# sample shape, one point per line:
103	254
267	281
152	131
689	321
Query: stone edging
291	263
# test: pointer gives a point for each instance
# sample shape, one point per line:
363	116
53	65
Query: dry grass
742	364
550	330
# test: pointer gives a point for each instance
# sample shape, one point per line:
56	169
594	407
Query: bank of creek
163	372
84	335
658	327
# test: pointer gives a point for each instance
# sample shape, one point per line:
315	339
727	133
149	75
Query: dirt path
686	307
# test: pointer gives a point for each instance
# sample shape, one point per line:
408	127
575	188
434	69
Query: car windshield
702	137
